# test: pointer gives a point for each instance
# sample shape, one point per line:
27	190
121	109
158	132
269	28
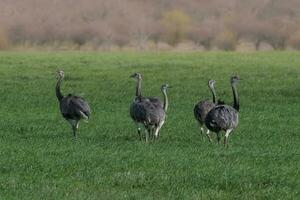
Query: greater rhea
156	114
203	107
137	111
73	108
224	117
145	110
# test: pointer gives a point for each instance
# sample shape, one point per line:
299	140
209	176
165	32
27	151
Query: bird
156	114
73	108
224	117
137	111
203	107
144	110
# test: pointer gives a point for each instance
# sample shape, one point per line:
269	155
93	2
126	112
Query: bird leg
218	137
226	137
77	124
152	134
74	132
147	134
138	130
75	127
156	132
201	129
208	135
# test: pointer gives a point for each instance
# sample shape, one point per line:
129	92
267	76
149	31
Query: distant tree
4	42
253	30
226	40
16	33
176	23
278	31
156	34
121	34
125	22
203	34
104	35
141	31
294	40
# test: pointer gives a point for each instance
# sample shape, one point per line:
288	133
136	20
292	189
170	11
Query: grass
40	160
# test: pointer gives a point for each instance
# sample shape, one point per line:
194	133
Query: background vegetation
40	160
150	24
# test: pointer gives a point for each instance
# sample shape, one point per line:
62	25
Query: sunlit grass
40	160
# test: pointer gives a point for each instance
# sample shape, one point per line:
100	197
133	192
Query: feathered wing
154	114
156	101
147	112
201	109
74	107
81	107
222	117
137	110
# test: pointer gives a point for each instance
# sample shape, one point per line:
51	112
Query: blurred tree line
142	23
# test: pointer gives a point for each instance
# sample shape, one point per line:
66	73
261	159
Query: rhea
156	114
139	104
137	110
73	108
224	117
203	107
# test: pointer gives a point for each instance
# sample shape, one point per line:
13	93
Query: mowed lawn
39	159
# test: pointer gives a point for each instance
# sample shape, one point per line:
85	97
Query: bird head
211	83
60	73
137	76
234	79
164	87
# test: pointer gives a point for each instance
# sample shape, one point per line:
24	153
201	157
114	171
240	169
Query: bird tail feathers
84	116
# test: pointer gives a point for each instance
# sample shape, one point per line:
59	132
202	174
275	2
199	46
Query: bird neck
138	92
212	89
166	101
236	104
57	89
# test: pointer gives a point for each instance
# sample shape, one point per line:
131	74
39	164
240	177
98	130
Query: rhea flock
224	117
203	107
73	108
140	108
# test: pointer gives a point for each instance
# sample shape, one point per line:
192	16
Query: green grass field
39	159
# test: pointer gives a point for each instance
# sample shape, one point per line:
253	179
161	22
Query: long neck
57	89
236	103
138	92
166	101
212	89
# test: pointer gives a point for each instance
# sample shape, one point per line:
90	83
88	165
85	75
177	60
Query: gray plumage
146	111
73	108
203	107
137	107
156	114
224	117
